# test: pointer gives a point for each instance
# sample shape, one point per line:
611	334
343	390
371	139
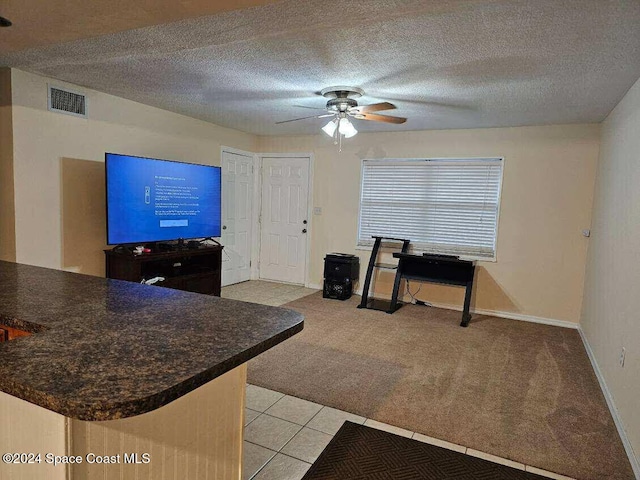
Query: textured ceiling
445	63
46	22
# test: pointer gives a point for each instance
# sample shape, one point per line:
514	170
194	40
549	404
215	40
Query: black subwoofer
341	271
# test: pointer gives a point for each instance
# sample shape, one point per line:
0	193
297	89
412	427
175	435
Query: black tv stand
162	247
190	269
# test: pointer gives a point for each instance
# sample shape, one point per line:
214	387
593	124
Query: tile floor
267	293
284	435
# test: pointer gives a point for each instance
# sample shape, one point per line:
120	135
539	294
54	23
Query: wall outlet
317	210
621	359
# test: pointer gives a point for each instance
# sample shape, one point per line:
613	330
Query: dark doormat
358	453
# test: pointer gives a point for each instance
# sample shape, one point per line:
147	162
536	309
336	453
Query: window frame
412	248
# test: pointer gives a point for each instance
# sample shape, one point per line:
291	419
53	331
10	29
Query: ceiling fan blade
304	118
380	118
376	107
312	108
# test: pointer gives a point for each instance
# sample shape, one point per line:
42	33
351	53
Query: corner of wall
590	225
7	202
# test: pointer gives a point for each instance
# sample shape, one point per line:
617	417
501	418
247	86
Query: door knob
304	230
224	227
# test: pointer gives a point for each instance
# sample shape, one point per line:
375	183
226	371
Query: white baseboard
501	314
633	459
511	316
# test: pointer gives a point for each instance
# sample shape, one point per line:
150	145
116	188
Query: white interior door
283	237
237	201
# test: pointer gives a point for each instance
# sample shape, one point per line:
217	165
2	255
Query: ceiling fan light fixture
343	107
330	128
346	128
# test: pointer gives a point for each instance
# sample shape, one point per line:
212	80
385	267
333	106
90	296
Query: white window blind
446	206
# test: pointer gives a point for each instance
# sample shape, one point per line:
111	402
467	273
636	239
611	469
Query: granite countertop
105	349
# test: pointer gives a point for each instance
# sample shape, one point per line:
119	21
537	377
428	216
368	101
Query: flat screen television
151	200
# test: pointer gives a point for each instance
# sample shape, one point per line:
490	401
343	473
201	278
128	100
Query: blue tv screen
151	200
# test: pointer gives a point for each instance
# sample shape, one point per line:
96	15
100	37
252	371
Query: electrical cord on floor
413	296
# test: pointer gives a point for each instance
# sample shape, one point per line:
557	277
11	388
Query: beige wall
7	211
546	202
58	200
610	316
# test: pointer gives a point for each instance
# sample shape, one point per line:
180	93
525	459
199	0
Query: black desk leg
364	301
466	317
393	306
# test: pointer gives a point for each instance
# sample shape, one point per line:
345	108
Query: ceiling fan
342	105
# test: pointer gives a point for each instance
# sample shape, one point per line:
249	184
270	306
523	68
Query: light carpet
519	390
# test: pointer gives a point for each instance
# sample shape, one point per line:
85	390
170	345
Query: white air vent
66	101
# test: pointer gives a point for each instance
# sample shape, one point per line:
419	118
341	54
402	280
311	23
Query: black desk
436	269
